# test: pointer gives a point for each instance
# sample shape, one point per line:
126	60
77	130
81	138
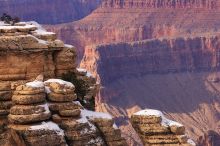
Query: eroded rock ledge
47	114
27	50
155	129
153	56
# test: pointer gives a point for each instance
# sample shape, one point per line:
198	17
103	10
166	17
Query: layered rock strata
154	129
5	100
209	4
110	62
29	111
110	132
46	113
27	50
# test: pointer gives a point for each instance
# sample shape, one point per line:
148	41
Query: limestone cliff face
157	56
27	52
140	20
176	75
209	4
47	12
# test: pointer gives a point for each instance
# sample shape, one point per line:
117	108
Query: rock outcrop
27	51
47	113
29	116
155	129
45	12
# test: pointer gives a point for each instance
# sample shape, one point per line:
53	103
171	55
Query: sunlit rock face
47	12
125	21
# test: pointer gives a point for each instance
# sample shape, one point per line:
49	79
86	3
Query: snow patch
86	115
165	122
191	142
48	126
35	84
47	90
68	46
88	74
93	115
45	106
59	81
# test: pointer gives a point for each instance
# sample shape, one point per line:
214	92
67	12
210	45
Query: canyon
38	107
177	75
153	54
47	12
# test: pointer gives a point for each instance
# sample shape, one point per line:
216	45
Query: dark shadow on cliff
172	93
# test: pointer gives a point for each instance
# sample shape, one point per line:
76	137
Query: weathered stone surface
5	86
70	113
63	106
162	132
27	109
59	88
29	99
5	95
56	97
27	119
44	137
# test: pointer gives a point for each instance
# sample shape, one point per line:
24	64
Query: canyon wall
176	75
207	4
109	24
47	12
156	56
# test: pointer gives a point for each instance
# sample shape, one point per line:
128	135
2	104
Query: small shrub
9	19
80	89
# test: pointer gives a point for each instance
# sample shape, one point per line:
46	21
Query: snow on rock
35	84
4	26
43	32
48	126
87	115
93	115
88	74
191	142
59	81
45	106
68	46
165	122
47	90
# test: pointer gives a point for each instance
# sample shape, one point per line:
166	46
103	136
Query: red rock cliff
175	75
114	61
109	24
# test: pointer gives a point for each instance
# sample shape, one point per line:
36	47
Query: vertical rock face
155	129
210	138
114	61
27	51
45	12
209	4
126	21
